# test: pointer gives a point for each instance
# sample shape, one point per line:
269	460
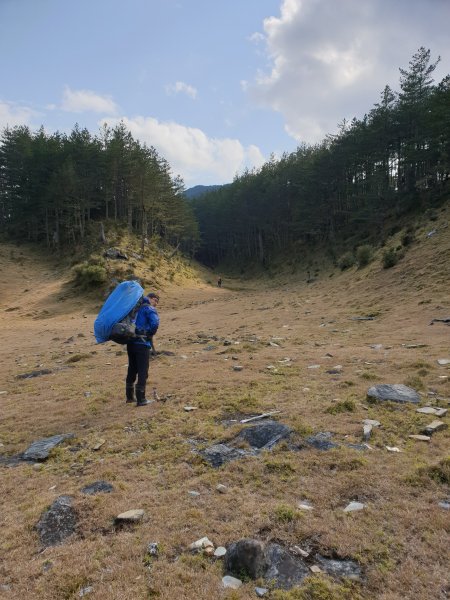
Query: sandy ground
44	326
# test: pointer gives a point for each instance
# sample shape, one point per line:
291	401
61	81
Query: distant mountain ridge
199	190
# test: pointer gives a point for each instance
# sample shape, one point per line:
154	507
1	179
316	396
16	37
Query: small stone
193	493
304	506
153	549
444	361
85	591
274	345
237	368
260	592
433	427
367	431
315	569
98	444
222	489
190	408
393	449
3	392
220	551
209	550
445	504
314	367
420	438
130	516
371	422
299	551
353	506
203	542
231	582
98	487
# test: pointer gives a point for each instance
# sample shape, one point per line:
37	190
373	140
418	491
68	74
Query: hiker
219	282
147	323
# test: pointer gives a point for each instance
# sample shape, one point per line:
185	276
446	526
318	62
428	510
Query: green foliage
88	275
364	255
319	588
390	258
346	261
285	514
340	407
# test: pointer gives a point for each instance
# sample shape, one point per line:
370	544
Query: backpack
115	319
125	330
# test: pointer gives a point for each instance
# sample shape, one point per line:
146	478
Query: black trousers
138	360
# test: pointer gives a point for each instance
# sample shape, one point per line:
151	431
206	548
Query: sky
216	86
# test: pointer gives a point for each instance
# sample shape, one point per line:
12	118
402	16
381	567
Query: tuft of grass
319	588
341	407
285	514
77	357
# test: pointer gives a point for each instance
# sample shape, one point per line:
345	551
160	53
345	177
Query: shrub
340	407
346	261
87	275
364	255
390	258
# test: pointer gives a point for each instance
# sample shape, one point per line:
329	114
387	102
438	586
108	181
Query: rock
394	393
34	374
261	592
305	506
433	427
130	516
285	570
445	504
264	435
321	441
115	254
220	551
371	422
340	568
299	551
98	444
58	522
231	582
431	410
85	591
392	449
354	506
193	493
200	544
222	489
190	408
40	449
218	454
247	556
420	438
314	367
444	361
152	549
367	431
98	487
315	569
237	367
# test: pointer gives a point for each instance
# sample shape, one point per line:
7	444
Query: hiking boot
140	395
129	391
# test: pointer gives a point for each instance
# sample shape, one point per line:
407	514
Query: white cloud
12	114
192	153
87	101
181	87
330	60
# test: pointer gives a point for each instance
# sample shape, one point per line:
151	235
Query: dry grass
401	537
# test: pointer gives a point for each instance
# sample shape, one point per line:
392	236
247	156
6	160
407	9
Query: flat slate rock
32	374
219	454
264	435
98	487
395	393
58	522
40	449
339	568
322	441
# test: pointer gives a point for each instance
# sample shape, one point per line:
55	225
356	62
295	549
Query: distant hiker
219	282
147	323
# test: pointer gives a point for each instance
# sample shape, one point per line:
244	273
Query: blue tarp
118	304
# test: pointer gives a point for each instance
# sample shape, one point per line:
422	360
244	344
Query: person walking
138	350
219	282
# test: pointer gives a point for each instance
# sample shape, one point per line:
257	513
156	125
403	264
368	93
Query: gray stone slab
58	522
394	392
40	449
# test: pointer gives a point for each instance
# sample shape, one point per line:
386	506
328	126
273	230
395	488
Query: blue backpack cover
118	305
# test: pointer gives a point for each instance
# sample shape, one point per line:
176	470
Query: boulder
40	449
394	392
58	522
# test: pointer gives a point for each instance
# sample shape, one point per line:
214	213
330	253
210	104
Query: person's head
153	298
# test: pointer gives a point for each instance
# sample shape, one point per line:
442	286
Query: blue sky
215	85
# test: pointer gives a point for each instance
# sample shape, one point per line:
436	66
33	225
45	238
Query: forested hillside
343	191
53	186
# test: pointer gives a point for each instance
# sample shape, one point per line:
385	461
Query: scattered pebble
220	551
222	489
98	444
444	361
353	506
315	569
260	592
130	516
393	449
420	438
85	591
190	408
299	551
203	542
231	582
305	506
237	368
193	493
314	367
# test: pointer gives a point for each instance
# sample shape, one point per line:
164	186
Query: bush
364	255
346	261
390	258
87	275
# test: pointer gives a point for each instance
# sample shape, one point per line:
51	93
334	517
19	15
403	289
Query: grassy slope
402	535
